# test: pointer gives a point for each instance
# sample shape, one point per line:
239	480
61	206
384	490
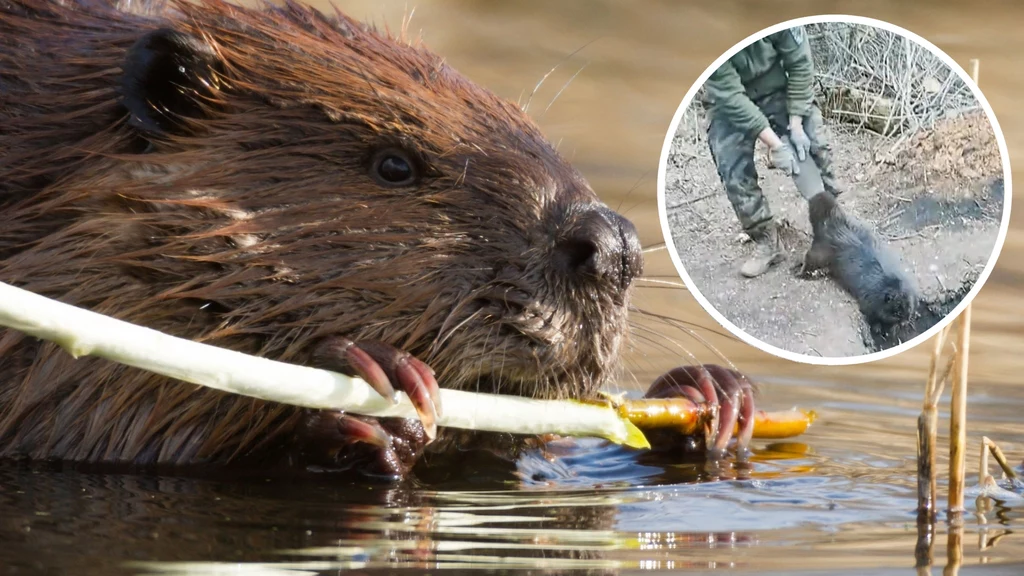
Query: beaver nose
600	244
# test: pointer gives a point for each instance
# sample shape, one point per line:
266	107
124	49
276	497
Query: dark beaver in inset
291	185
864	266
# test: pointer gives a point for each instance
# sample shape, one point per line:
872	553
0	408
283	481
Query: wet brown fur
259	229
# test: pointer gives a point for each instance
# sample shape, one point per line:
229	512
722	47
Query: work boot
766	253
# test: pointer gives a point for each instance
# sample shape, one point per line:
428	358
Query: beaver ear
167	77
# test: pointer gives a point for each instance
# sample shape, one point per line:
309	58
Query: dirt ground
936	198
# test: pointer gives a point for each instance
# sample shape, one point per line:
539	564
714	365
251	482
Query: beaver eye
393	168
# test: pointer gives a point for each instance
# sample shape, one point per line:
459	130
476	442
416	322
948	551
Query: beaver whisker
502	356
637	356
685	325
630	209
562	89
690	332
662	341
662	283
692	358
446	331
508	296
632	189
526	108
480	368
667	286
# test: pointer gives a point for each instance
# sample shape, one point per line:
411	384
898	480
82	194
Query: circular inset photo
835	189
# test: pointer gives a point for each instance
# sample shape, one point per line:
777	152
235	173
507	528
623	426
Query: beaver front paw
376	448
385	368
728	393
385	449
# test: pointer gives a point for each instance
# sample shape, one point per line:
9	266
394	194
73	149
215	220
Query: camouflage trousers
733	153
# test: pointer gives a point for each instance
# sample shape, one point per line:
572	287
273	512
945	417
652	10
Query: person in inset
765	93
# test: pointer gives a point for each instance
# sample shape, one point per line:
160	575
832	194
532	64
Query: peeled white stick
85	333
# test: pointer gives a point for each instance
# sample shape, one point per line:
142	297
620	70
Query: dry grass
881	81
691	134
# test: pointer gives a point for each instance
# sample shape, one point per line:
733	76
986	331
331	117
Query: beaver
861	264
295	185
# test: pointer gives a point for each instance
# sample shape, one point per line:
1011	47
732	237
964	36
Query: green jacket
778	61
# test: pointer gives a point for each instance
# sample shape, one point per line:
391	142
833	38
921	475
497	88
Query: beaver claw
729	393
384	368
374	448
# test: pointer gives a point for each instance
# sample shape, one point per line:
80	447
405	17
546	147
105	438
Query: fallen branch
988	446
687	417
881	80
85	333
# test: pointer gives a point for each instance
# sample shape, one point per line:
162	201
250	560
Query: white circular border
819	360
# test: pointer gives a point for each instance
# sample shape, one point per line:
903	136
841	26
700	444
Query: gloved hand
782	157
801	143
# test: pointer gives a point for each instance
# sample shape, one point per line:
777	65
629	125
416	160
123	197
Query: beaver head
261	178
895	300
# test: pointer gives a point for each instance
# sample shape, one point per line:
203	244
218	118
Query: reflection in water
841	497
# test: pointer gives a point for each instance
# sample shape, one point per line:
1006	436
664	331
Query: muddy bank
935	198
